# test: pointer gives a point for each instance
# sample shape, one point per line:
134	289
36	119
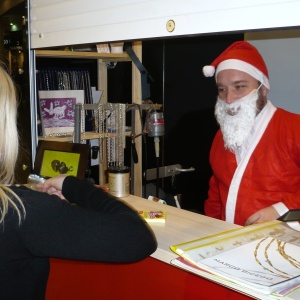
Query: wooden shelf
107	57
69	138
89	135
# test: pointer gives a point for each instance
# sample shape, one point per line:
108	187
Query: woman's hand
52	186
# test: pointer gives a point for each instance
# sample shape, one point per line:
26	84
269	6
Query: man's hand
265	214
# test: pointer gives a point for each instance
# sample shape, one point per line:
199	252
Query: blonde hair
9	143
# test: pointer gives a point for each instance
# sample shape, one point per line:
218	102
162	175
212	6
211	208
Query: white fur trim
208	71
243	66
280	208
268	111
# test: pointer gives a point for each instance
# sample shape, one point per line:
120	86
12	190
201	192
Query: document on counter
263	257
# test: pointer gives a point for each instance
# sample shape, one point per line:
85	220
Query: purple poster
57	111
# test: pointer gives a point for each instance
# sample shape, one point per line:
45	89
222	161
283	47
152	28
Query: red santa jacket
272	174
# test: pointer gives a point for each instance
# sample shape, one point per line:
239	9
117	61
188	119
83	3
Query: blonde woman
38	225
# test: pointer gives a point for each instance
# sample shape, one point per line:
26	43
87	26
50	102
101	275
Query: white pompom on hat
242	56
209	71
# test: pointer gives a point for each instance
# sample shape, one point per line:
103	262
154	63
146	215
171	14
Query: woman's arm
99	227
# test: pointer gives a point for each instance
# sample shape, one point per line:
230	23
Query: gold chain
266	256
287	257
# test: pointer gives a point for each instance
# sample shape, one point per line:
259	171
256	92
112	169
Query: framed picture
57	111
54	158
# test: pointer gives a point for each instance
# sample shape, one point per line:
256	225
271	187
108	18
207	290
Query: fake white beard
237	119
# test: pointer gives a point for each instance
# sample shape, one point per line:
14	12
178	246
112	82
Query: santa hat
240	56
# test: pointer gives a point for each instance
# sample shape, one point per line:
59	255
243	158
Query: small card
153	216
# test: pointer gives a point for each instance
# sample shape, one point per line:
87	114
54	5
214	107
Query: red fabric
271	176
244	51
147	280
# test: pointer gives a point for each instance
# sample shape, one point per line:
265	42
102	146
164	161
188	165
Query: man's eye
239	87
221	90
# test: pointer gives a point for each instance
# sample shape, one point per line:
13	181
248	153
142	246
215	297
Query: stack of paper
263	257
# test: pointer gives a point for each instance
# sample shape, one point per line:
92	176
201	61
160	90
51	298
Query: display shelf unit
102	59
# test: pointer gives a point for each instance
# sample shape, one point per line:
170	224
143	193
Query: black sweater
98	228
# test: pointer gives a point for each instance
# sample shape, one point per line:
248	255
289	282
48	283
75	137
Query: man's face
240	99
234	84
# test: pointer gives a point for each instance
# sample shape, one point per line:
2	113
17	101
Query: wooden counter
181	226
152	278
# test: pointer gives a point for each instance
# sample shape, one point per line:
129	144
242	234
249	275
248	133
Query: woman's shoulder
30	197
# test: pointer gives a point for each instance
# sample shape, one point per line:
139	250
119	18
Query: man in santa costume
255	156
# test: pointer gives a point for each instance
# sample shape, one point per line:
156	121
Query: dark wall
188	101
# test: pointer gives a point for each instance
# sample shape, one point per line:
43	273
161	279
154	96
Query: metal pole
77	124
